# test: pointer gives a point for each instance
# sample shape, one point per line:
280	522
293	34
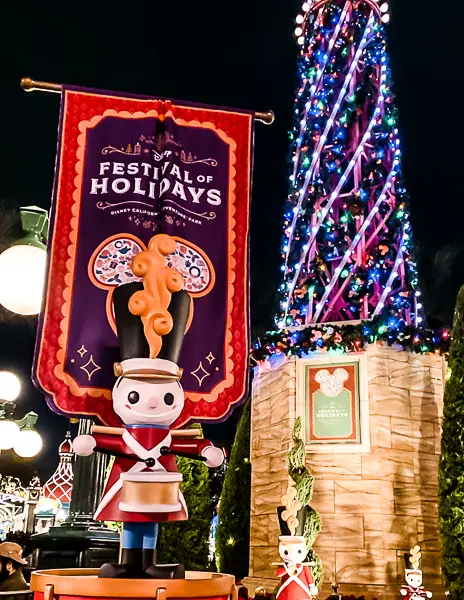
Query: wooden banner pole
30	85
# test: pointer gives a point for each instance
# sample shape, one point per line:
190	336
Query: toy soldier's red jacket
295	587
142	441
413	593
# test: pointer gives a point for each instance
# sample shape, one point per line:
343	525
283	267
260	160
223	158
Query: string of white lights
319	74
356	240
393	275
333	197
330	122
347	225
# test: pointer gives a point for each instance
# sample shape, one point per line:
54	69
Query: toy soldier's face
414	579
293	552
147	402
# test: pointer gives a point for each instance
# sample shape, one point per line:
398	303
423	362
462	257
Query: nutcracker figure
414	590
297	582
143	487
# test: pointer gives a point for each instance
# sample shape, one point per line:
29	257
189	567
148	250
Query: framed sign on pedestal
332	400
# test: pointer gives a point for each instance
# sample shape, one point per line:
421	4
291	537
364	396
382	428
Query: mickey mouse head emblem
110	267
331	384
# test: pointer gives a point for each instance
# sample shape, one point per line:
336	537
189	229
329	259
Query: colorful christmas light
349	274
349	337
347	243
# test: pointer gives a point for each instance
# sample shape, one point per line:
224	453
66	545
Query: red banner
127	169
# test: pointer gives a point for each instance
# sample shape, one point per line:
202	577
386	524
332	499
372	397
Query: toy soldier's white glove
403	592
313	589
428	594
84	445
214	456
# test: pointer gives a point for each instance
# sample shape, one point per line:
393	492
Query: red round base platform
84	584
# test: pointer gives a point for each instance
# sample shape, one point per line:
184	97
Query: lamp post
86	498
80	541
22	265
34	490
19	435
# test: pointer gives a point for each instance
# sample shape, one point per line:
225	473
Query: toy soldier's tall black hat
284	525
146	351
292	516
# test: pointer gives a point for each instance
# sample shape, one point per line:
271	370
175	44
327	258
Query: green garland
304	482
451	474
350	338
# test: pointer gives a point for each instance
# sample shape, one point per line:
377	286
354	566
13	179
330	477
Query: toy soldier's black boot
165	572
148	558
155	571
130	566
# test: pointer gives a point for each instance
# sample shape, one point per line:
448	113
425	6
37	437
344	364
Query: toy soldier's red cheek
128	406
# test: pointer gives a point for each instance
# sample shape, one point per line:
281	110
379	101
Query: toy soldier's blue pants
139	535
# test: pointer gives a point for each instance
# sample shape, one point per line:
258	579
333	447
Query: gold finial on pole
267	117
30	85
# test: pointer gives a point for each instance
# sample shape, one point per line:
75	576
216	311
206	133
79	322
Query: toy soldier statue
297	582
414	590
143	487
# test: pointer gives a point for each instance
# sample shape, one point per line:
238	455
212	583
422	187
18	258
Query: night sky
241	55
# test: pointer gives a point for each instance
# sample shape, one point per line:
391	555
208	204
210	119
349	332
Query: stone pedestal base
376	501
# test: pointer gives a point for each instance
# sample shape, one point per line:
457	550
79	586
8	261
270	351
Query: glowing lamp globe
22	276
10	386
28	443
22	266
9	433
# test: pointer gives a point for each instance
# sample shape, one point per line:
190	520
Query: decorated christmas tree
347	244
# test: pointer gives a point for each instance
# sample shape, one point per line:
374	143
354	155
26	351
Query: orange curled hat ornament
159	282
